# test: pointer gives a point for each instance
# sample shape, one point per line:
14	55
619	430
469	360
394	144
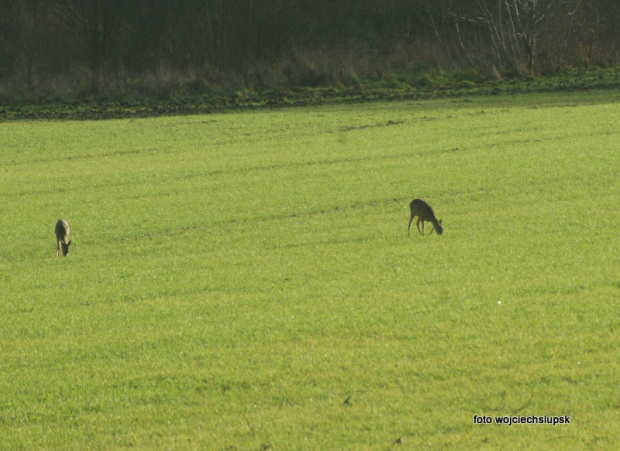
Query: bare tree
515	27
96	26
100	45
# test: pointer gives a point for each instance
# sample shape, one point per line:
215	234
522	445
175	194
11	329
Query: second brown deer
424	212
62	233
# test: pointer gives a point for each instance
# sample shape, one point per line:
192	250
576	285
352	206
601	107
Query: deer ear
68	243
440	222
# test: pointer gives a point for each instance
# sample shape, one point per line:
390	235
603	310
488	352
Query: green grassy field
245	280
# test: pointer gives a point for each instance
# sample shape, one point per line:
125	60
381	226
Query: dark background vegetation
102	49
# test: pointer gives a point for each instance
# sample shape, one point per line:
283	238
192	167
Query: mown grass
245	280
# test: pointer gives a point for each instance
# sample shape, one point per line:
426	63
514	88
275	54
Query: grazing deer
62	233
424	212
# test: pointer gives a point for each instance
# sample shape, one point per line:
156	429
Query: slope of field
245	280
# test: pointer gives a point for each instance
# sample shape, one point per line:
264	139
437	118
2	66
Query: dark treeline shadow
74	49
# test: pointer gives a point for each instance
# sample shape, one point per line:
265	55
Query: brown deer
424	212
62	233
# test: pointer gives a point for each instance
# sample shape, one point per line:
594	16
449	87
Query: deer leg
418	224
409	226
57	248
432	228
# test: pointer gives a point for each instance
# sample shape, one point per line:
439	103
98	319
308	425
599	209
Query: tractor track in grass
265	218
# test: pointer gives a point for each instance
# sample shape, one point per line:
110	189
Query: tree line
74	47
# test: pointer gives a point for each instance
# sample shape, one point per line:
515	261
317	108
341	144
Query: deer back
422	210
62	231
